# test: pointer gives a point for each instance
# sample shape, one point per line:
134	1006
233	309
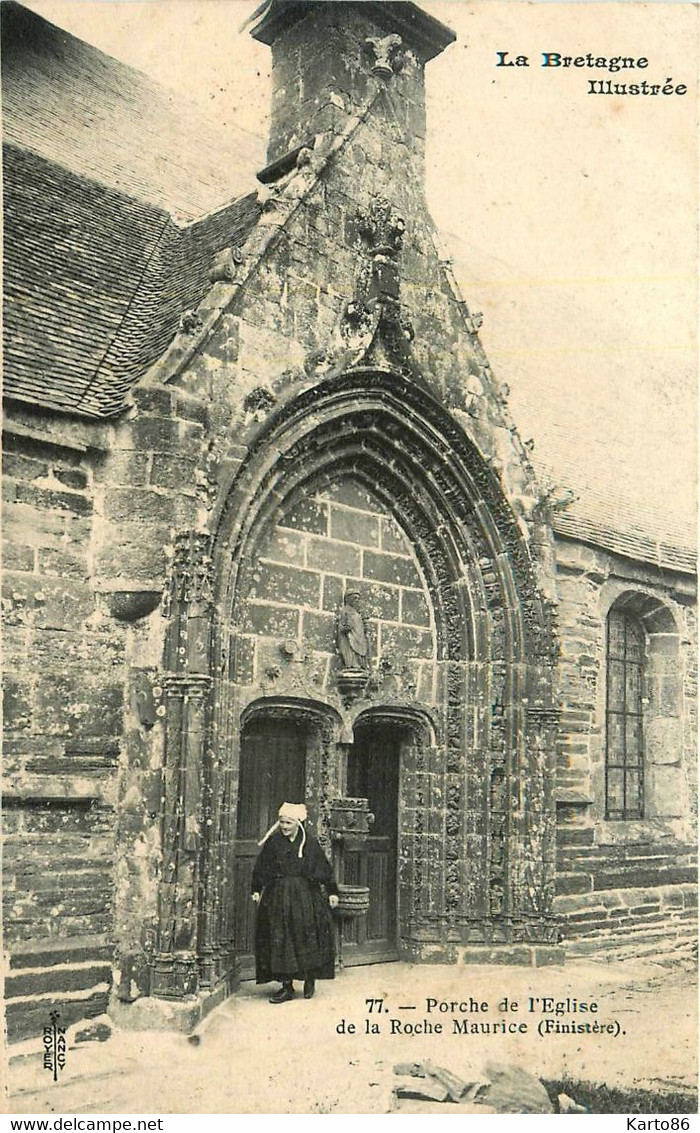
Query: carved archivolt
399	441
495	635
476	839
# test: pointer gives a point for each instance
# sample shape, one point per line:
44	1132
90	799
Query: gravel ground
252	1057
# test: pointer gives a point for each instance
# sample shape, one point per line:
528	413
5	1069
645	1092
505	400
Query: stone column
535	877
186	684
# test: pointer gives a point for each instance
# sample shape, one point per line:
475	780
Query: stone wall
63	708
615	876
326	543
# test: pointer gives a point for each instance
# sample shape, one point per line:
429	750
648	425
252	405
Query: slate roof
71	104
95	283
104	175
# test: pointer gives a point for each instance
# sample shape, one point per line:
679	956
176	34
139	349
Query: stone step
71	976
635	943
46	953
596	924
26	1015
55	979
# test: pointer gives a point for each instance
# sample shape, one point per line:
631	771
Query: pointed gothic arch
476	827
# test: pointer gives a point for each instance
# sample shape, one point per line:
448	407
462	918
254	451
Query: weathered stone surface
283	546
355	527
336	556
172	472
123	467
414	608
306	514
138	506
270	621
126	554
53	499
290	584
390	568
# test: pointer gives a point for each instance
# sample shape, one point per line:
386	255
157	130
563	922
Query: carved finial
556	498
387	54
382	227
259	400
190	322
190	579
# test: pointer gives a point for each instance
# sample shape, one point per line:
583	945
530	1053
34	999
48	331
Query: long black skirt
294	932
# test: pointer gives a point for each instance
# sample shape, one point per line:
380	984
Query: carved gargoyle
227	266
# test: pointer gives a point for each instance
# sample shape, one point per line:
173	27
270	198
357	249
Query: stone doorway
272	771
373	772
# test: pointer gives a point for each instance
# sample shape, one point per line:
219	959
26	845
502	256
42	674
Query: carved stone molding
352	684
174	975
191	573
191	686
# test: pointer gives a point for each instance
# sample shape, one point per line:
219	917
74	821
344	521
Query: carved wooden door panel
373	773
272	771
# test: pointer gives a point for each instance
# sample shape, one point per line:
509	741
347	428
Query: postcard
349	559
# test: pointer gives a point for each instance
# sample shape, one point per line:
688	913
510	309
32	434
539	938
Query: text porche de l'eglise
628	66
545	1015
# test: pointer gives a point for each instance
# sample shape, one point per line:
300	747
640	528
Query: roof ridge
23	11
72	103
188	225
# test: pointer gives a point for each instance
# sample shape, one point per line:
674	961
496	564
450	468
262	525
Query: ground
252	1057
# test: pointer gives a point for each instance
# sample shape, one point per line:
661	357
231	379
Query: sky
574	214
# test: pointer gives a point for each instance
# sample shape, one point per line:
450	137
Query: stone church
270	533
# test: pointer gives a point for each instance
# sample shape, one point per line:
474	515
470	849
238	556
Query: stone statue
352	638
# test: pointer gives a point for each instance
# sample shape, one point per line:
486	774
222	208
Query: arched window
624	754
644	772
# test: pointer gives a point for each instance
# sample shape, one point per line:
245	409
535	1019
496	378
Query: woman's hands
255	897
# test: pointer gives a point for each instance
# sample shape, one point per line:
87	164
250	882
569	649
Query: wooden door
373	773
272	771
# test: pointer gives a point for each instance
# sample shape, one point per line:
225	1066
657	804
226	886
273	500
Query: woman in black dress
294	888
